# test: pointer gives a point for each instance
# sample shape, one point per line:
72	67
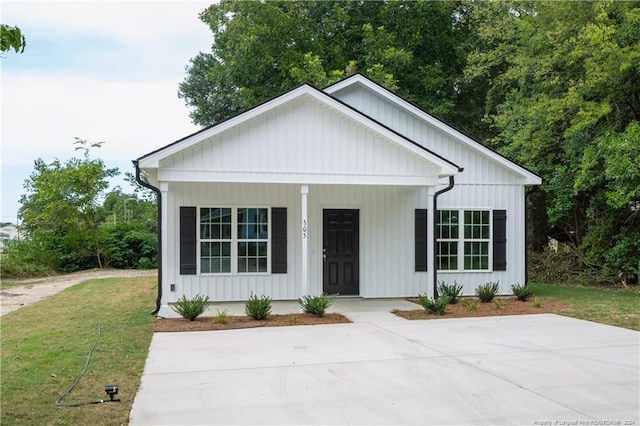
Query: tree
11	37
59	210
562	98
262	49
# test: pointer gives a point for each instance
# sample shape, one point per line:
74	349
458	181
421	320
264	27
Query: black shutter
499	240
188	240
278	240
421	240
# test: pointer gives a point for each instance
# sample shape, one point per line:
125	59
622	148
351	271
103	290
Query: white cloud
44	114
99	70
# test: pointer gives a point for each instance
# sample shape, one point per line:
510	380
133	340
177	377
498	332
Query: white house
8	232
350	190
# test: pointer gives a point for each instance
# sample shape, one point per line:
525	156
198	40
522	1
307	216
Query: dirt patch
35	289
235	322
500	306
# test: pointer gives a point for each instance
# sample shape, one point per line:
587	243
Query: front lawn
45	346
619	307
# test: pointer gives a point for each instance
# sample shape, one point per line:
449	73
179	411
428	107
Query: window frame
462	240
234	241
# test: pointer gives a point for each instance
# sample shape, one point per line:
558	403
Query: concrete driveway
532	370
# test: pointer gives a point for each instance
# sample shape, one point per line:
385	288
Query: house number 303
304	229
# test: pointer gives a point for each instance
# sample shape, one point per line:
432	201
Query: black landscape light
111	389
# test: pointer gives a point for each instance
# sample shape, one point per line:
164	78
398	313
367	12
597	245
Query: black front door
341	251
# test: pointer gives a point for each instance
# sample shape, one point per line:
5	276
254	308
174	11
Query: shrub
522	292
499	304
258	307
317	305
191	308
471	305
433	306
486	292
451	291
221	317
537	302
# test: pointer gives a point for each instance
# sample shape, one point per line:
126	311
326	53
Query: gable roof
359	79
152	159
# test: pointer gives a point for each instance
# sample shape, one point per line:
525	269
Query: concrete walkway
530	369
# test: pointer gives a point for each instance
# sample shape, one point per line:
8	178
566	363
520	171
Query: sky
104	71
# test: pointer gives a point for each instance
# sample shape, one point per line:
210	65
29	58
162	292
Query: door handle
324	254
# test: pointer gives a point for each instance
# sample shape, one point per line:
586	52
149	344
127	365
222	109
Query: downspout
435	234
159	200
526	234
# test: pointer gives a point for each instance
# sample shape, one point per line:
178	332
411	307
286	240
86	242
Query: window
253	238
469	251
215	240
476	240
234	240
447	240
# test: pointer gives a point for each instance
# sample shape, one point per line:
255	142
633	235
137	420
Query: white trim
221	176
531	178
233	241
304	235
152	160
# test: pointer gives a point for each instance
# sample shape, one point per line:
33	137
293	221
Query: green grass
45	346
619	307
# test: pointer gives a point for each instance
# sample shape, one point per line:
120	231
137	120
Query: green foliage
258	307
59	210
317	305
486	292
522	292
450	291
537	302
499	304
293	319
562	83
127	245
191	309
221	317
11	37
20	259
471	305
261	49
433	306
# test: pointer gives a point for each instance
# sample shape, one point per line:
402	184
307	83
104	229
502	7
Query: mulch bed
504	306
236	322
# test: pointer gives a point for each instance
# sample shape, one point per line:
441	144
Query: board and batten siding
491	197
478	168
386	239
302	141
484	183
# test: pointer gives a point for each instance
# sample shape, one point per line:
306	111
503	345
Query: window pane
253	258
476	255
476	224
447	258
253	224
447	225
215	223
214	257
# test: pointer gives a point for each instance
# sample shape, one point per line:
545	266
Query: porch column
431	238
164	208
304	190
